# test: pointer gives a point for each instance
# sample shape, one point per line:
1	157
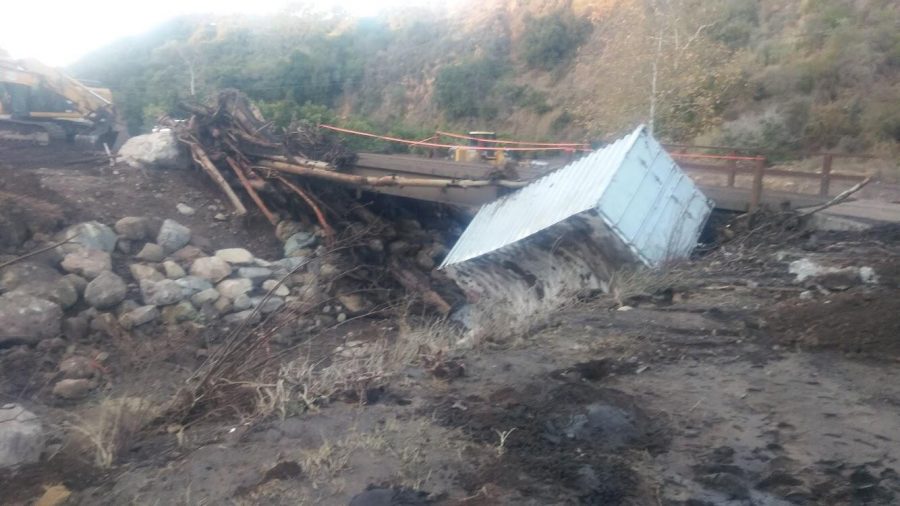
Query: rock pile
162	279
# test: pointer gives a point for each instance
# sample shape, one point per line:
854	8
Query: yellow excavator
42	104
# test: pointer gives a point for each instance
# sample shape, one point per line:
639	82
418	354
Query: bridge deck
726	198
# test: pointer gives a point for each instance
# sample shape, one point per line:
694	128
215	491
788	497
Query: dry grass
625	285
112	427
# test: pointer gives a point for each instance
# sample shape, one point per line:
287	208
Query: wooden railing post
825	183
732	170
756	193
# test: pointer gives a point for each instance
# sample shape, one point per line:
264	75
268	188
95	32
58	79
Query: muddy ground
721	381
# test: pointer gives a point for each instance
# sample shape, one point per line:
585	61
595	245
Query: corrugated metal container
570	231
632	185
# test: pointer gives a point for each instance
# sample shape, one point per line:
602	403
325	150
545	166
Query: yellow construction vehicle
40	104
477	139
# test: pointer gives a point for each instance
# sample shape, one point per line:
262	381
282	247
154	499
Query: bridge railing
733	162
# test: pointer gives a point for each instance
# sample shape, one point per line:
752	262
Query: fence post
732	170
825	183
756	193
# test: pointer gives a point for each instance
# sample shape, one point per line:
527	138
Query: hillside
776	75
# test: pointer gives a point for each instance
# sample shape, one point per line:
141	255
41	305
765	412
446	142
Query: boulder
269	305
105	291
59	291
208	296
188	254
185	209
139	316
73	389
23	273
297	242
157	150
21	436
239	317
279	290
136	228
223	305
161	293
91	235
213	269
242	302
181	312
141	272
255	274
28	319
235	255
193	284
231	288
88	263
77	367
173	270
151	252
77	282
173	236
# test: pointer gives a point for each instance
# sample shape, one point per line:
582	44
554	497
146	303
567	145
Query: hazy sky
58	32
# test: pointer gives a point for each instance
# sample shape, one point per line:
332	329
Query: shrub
464	90
551	40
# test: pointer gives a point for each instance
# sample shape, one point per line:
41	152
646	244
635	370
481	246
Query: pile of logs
299	172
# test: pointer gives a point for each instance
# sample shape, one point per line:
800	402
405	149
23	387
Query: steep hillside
779	75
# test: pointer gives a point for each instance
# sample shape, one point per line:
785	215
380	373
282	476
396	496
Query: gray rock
90	235
141	272
237	256
255	274
242	302
23	273
286	228
298	241
208	296
125	246
73	389
151	252
185	209
213	269
21	436
157	150
136	228
231	288
193	284
161	293
105	291
88	263
173	236
268	306
126	306
173	270
139	316
279	290
28	319
240	317
77	282
290	263
354	303
77	367
60	291
181	312
188	254
223	305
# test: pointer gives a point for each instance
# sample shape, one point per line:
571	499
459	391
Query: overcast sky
58	32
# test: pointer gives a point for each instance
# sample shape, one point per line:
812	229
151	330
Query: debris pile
383	243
